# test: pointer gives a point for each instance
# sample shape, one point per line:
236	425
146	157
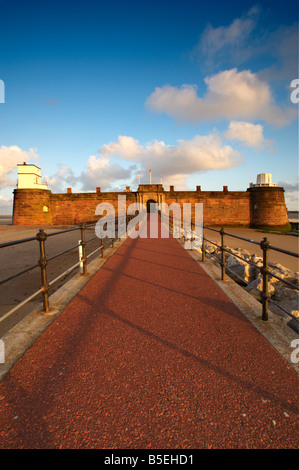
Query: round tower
267	206
31	198
32	207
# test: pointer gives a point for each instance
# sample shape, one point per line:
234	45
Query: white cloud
289	186
200	154
227	44
248	133
99	172
118	163
64	177
247	38
104	173
282	46
126	146
292	200
291	193
231	95
9	158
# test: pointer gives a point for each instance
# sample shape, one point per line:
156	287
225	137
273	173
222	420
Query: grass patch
278	229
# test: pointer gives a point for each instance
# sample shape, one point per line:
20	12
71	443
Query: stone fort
262	204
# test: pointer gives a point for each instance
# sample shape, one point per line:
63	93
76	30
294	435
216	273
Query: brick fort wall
258	206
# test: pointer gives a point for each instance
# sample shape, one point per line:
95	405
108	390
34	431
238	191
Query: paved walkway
150	354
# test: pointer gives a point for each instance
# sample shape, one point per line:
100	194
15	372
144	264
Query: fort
262	204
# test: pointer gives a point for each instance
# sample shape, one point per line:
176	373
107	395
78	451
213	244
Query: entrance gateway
151	206
148	194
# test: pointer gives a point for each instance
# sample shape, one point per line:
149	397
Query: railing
43	261
264	269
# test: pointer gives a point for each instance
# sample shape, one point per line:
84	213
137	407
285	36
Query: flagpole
150	176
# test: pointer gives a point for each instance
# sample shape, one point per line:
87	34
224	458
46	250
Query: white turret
29	177
263	179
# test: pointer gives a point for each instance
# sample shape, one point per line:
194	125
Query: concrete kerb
22	336
275	330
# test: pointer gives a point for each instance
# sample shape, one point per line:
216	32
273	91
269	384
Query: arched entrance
154	207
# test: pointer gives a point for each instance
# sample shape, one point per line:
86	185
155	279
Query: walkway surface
150	354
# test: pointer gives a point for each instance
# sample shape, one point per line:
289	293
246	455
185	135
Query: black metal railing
190	235
265	246
43	260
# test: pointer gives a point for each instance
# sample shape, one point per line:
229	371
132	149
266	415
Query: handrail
59	232
264	269
13	276
63	252
14	309
235	236
275	248
16	242
41	237
281	250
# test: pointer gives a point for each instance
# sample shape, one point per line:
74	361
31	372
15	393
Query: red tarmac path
150	354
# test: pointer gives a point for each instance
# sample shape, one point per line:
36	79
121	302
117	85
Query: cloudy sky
97	93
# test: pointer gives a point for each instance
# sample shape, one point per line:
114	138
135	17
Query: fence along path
150	354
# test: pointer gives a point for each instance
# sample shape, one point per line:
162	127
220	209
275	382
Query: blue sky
96	93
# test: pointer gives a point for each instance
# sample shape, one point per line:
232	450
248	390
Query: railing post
83	244
127	223
192	234
222	254
265	293
42	237
102	248
118	230
203	253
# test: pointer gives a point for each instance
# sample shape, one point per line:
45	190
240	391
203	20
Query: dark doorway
154	207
